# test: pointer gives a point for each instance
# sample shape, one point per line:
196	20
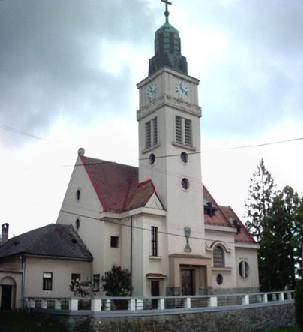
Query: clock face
182	89
152	90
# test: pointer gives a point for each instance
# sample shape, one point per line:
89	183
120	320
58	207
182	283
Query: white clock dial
182	89
152	91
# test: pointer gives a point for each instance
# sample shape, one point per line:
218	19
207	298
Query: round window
185	183
219	279
152	159
184	157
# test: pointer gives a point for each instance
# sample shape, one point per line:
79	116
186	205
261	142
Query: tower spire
166	13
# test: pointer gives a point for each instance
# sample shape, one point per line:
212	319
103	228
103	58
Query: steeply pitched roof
219	218
54	240
117	185
243	235
119	190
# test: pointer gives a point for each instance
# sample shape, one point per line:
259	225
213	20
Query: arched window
78	223
218	256
243	269
78	194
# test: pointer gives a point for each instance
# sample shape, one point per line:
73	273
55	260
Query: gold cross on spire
166	13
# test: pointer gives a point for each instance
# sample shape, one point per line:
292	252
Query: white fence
151	304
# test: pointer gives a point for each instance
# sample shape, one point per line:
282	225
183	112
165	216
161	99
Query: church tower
169	140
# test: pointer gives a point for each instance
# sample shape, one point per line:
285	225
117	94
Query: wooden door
187	282
155	291
6	298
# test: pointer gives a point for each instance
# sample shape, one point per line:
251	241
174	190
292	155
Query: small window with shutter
188	132
179	138
155	131
148	135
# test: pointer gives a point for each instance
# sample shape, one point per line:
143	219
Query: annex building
157	220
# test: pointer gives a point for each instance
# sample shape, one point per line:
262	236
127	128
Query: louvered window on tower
155	131
188	132
151	133
179	135
148	135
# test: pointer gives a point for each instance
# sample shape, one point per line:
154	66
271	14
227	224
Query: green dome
168	50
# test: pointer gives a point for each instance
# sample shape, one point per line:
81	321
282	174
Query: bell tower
169	139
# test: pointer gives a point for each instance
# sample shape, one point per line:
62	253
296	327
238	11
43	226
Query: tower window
218	256
219	279
154	241
185	183
151	133
188	134
179	138
148	135
78	194
114	241
184	157
183	131
152	159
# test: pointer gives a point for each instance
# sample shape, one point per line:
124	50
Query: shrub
117	282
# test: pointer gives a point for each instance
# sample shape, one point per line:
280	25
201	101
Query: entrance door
187	282
6	299
155	291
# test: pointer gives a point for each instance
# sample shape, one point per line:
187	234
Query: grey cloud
44	49
257	84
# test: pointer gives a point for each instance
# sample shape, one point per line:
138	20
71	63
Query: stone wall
233	320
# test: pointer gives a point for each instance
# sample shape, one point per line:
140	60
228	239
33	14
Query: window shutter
155	131
179	138
147	135
188	132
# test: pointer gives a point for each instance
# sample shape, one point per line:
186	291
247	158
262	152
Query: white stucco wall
61	269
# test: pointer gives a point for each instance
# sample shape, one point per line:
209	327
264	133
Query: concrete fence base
237	319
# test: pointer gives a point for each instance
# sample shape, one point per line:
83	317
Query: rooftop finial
166	13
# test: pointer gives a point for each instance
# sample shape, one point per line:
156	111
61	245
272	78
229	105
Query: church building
157	220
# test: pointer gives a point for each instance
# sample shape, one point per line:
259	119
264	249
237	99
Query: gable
154	203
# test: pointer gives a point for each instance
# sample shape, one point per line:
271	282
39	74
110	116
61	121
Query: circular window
152	159
219	279
243	269
184	157
185	183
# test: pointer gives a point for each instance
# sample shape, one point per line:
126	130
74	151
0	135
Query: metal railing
156	304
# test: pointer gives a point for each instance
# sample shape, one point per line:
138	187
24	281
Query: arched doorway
8	293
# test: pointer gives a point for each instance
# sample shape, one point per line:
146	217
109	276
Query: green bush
299	304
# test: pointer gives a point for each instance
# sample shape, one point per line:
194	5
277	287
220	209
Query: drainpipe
23	260
131	251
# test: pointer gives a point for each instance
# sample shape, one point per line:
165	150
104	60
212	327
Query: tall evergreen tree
259	200
280	241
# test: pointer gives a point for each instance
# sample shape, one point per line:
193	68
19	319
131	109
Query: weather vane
166	13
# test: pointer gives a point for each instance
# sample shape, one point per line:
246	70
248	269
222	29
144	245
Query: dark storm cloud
44	51
257	84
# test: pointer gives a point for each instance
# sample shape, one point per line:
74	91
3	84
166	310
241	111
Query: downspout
131	251
23	260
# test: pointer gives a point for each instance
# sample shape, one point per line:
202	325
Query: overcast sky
68	74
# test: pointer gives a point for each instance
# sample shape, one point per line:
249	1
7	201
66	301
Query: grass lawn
21	322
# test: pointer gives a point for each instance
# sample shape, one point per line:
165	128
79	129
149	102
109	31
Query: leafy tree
117	282
259	200
280	241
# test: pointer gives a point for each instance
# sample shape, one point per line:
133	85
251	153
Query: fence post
161	305
57	304
132	305
245	300
213	301
107	305
282	298
32	304
139	304
188	303
73	304
265	298
43	304
96	305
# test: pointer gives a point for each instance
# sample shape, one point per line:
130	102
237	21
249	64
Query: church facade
157	220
